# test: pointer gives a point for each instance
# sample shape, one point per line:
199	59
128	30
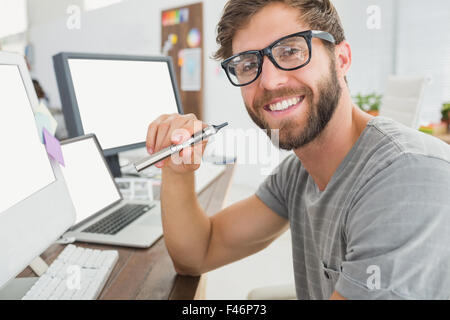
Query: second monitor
115	97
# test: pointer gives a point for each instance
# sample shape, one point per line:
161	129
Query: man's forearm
186	226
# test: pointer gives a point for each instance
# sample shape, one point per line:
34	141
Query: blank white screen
90	185
118	99
24	163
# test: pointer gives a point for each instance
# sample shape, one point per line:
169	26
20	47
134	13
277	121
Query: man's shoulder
290	165
390	153
393	141
288	172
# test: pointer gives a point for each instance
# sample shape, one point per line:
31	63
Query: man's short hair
317	14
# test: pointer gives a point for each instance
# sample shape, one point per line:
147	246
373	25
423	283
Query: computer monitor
35	206
115	97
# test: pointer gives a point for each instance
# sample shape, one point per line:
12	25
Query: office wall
372	49
44	11
413	40
117	29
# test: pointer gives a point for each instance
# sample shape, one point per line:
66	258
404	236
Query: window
13	17
97	4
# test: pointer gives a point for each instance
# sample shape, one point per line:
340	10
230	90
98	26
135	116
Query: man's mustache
269	96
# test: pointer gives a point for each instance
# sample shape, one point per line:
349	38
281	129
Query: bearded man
358	193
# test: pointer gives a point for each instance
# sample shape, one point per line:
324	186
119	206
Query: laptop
102	214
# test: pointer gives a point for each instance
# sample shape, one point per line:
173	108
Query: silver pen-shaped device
175	148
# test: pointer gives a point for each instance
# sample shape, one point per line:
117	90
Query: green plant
445	112
370	102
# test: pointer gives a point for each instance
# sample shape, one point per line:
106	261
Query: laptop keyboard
116	221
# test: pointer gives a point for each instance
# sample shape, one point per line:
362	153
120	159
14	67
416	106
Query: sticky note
44	119
184	15
177	17
42	122
165	19
53	147
172	17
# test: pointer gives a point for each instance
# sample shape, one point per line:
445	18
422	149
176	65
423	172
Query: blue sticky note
53	147
42	122
44	119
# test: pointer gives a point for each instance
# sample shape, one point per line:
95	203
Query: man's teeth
283	105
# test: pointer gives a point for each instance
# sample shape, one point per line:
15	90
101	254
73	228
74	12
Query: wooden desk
444	137
148	274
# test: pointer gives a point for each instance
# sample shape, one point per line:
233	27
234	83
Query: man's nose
271	77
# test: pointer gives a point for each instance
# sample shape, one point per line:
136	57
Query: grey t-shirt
381	228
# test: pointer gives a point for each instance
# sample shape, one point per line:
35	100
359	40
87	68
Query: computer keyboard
116	221
76	274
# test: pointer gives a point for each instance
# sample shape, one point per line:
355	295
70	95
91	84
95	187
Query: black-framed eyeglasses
289	53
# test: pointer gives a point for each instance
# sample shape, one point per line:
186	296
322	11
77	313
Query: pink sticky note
53	147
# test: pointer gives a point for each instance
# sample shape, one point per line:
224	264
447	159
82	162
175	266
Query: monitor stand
114	165
18	287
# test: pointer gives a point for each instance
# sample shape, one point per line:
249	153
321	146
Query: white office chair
402	101
279	292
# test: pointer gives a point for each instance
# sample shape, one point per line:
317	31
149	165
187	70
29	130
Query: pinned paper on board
44	119
53	147
175	17
194	38
171	41
191	69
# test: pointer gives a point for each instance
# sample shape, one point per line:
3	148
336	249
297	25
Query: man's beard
318	115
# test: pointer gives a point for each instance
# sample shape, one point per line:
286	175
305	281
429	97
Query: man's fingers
163	130
151	137
193	155
152	132
165	134
186	155
180	133
176	129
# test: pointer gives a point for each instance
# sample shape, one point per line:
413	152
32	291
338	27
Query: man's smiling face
299	103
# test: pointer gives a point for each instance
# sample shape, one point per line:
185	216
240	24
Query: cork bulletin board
182	39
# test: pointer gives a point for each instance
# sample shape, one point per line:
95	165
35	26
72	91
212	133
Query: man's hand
175	129
233	233
337	296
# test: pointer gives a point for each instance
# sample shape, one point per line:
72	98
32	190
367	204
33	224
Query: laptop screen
88	178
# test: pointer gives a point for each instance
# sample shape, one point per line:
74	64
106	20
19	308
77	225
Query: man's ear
343	54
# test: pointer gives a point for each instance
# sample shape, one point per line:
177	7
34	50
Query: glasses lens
291	53
243	68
